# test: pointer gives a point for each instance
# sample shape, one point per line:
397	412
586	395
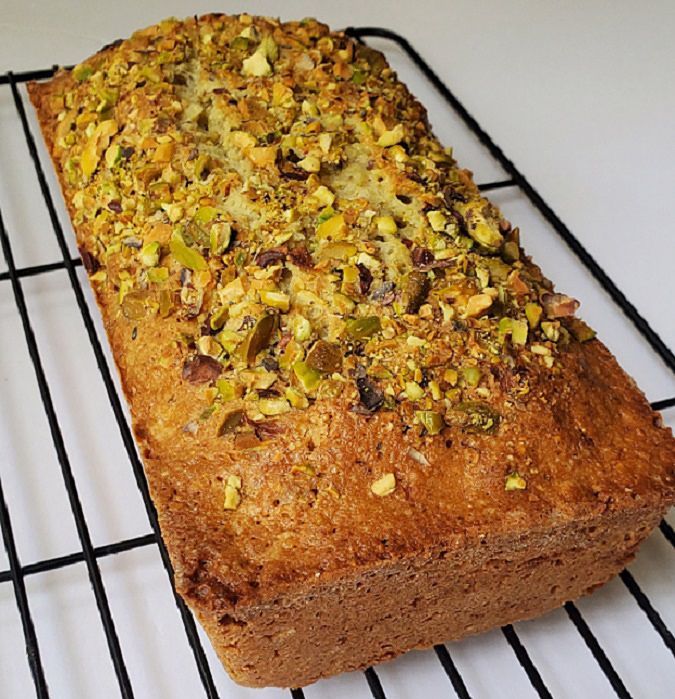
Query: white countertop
581	96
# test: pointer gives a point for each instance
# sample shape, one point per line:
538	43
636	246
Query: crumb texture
354	394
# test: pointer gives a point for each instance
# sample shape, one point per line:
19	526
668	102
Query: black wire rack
17	573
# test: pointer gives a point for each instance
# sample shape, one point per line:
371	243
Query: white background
581	95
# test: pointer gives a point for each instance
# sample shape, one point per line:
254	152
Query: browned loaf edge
310	572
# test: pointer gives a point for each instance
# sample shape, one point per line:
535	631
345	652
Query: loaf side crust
591	465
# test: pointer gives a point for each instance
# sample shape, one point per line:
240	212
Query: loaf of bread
368	421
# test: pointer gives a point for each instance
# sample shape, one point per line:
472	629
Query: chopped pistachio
518	331
258	338
98	142
360	328
514	481
310	163
301	327
333	227
229	339
359	77
256	65
391	137
273	406
551	330
218	318
323	195
384	485
232	493
533	312
435	389
413	390
269	48
82	72
296	398
220	237
541	350
306	375
472	375
437	220
113	155
386	224
477	304
309	109
174	211
186	256
209	346
451	376
226	389
324	357
414	341
478	417
581	331
432	422
326	213
205	214
510	251
275	299
230	422
149	254
325	142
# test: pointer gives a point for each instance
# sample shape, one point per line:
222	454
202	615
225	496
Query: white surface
582	97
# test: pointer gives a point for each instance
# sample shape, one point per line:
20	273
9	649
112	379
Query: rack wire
17	573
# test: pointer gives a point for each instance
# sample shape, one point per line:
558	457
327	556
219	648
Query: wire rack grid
91	556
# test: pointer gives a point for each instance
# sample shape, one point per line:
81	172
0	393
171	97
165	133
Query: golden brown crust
545	444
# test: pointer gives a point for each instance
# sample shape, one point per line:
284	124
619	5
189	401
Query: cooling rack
92	556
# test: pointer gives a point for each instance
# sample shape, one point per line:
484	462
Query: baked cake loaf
368	421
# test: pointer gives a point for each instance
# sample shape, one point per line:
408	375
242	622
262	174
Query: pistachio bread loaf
368	421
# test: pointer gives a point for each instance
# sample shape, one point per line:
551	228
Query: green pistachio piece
518	332
324	357
226	389
514	481
220	237
158	274
360	328
511	251
533	312
82	73
551	330
219	317
433	422
134	305
359	77
239	43
149	254
472	375
205	214
302	328
258	338
229	339
580	330
413	390
478	417
306	375
325	214
186	256
230	422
